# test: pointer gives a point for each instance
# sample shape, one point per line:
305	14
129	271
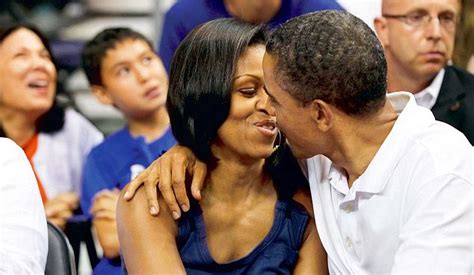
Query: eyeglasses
447	20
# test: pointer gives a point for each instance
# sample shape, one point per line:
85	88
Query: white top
428	96
60	157
23	232
411	211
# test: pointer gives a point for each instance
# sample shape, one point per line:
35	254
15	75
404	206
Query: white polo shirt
411	211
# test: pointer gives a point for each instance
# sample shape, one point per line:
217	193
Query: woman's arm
312	256
147	242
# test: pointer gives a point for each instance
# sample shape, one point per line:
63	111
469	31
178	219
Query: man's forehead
391	5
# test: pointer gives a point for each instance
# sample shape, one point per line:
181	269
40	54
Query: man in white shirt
418	39
391	186
23	231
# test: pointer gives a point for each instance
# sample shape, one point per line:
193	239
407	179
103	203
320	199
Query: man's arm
436	233
148	243
169	173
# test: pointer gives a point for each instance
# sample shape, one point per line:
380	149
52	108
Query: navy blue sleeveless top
276	254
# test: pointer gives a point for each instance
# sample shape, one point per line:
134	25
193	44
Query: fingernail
185	207
175	215
153	210
127	194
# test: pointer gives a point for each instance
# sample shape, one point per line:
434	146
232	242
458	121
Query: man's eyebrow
270	96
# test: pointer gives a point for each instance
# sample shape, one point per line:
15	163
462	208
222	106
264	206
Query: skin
415	55
238	212
350	142
24	61
253	11
134	80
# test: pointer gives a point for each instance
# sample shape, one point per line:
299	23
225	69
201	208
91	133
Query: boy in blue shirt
123	71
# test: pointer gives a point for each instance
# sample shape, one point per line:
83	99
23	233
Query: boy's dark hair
95	50
53	120
201	76
333	56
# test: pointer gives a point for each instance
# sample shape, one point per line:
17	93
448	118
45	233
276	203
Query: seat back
60	259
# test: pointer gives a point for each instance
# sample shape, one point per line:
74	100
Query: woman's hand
60	208
169	174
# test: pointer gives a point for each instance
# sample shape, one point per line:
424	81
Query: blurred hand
60	208
104	204
169	173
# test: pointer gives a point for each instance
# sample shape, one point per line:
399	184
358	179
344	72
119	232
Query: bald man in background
418	39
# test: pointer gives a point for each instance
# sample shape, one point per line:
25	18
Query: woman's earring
278	141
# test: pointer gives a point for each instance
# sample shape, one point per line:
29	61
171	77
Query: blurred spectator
56	141
125	72
23	233
418	38
464	49
184	15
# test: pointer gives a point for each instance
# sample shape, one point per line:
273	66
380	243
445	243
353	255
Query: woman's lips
39	86
267	127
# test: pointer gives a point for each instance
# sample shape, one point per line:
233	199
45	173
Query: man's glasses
447	20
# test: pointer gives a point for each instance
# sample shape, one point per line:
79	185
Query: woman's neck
236	183
17	126
151	127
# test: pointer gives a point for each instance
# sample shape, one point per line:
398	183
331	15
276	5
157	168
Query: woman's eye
248	91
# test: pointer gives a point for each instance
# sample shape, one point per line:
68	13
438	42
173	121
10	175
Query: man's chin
430	70
299	154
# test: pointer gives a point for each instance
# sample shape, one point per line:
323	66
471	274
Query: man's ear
322	114
101	93
381	28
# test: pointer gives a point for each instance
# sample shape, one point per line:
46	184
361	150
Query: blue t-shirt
112	164
185	15
276	254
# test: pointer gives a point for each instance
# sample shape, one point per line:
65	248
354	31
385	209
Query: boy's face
134	79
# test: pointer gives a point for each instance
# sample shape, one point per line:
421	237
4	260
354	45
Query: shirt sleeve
95	178
172	34
436	233
319	5
23	231
176	25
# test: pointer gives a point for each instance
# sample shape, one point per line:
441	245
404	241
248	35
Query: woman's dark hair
53	120
201	76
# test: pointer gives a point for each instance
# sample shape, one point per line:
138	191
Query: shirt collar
428	96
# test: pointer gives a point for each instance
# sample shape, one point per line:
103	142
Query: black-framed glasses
447	20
